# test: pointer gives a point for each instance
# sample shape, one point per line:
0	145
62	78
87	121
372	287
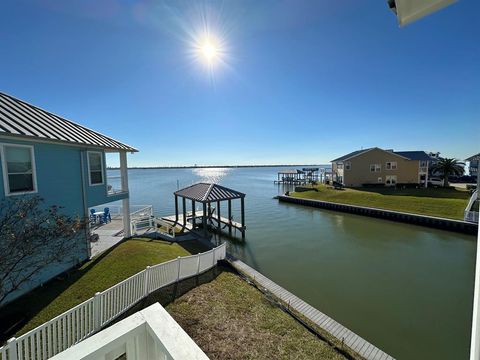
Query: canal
405	288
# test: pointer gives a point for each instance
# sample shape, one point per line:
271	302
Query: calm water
407	289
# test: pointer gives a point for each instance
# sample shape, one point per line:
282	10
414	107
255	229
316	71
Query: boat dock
323	321
192	219
302	176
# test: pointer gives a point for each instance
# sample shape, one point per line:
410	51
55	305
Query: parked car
435	182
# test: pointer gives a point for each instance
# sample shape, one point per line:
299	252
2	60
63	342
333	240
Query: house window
95	168
391	165
378	167
372	167
423	163
19	175
391	180
339	166
348	165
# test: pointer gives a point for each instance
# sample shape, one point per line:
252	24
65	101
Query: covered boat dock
206	194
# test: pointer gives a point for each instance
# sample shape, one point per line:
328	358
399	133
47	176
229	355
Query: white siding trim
6	185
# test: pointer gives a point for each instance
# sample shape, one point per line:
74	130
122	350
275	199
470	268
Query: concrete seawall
430	221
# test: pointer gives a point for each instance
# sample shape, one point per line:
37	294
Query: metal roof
473	158
344	157
19	118
410	155
415	155
205	193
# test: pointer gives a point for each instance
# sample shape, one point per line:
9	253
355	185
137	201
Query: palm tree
449	167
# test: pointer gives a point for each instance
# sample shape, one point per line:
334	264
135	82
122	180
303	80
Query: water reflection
211	175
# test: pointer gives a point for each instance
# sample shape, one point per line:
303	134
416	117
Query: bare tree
34	237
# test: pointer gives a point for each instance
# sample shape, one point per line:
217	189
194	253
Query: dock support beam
243	217
204	219
219	217
193	214
184	208
176	208
230	217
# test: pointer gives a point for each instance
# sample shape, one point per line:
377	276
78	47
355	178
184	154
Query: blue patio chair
106	215
93	218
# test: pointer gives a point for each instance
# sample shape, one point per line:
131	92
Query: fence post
97	311
146	281
12	349
178	273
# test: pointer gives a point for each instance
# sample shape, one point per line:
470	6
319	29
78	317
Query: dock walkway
198	219
348	337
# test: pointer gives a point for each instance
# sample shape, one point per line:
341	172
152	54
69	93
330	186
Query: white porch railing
135	210
141	336
83	320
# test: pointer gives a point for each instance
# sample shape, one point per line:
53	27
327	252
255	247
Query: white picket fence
83	320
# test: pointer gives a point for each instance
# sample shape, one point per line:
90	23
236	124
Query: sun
209	51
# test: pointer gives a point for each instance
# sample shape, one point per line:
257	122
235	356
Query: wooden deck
198	220
348	337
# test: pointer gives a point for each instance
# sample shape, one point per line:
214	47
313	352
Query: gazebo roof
205	193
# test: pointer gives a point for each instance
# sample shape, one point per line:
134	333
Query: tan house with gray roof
378	166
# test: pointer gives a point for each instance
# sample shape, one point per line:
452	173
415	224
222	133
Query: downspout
84	201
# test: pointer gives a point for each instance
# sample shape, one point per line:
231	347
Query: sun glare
209	51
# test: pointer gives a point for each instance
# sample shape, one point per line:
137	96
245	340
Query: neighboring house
378	166
60	161
474	161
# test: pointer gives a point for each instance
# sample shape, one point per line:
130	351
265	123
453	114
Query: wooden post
184	209
219	217
125	202
176	208
243	217
204	219
193	214
230	217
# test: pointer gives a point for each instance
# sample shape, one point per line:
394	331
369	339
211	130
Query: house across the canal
375	166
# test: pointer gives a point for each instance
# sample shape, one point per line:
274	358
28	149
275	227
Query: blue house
62	162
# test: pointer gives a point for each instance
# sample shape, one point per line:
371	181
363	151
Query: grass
98	274
230	319
442	202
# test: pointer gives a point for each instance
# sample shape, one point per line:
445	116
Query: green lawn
230	319
98	274
448	202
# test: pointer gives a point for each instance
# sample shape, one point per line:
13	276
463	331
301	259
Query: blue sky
302	81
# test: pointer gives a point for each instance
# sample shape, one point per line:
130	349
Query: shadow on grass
15	315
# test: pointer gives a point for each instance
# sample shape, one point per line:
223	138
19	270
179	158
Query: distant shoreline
215	166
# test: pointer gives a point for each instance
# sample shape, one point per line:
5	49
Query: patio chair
106	215
93	218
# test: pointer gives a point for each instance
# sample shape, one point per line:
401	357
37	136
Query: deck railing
83	320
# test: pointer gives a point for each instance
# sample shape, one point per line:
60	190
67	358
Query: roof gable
205	192
350	155
18	118
473	158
